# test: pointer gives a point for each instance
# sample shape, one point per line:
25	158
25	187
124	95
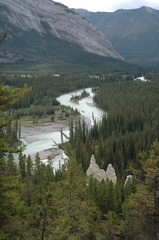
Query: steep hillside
41	30
133	33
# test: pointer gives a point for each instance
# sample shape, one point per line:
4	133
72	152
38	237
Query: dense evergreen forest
131	125
36	203
41	100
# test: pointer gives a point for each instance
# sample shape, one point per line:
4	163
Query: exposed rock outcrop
110	174
34	23
128	179
95	172
130	31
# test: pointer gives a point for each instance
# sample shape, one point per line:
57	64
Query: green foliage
10	205
59	55
36	203
137	40
11	95
84	94
44	205
130	126
131	123
141	210
9	130
75	216
41	101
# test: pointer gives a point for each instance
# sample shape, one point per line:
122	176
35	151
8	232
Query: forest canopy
38	203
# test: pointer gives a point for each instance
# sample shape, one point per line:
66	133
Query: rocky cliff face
133	33
46	19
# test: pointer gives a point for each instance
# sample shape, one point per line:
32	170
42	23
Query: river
42	141
85	106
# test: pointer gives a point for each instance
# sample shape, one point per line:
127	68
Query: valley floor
31	135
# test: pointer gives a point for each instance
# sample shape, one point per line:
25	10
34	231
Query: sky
109	5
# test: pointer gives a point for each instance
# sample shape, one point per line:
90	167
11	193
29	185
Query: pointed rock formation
95	172
110	174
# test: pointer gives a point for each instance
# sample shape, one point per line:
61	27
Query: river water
45	141
85	106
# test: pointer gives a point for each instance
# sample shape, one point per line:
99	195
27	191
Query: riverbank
41	134
31	134
36	134
44	137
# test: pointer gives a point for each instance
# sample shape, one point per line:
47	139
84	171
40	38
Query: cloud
129	4
110	5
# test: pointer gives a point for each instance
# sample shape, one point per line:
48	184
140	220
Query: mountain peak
148	9
47	20
134	33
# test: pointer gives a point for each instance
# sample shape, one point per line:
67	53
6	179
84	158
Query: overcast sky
109	5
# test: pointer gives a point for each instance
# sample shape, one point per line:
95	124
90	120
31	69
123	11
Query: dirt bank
42	135
32	135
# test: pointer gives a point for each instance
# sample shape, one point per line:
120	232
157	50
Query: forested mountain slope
133	33
47	30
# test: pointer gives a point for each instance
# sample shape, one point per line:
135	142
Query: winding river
85	106
40	141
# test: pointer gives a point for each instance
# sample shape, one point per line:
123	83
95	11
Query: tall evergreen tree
9	180
141	210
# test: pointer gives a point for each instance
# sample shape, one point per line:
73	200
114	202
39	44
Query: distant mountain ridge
44	29
133	33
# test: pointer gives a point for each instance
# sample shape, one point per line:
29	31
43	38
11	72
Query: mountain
133	33
44	30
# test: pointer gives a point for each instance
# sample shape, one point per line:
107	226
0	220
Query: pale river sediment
42	139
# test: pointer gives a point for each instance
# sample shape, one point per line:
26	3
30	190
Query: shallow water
85	106
45	141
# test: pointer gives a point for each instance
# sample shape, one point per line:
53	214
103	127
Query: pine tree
141	210
76	216
9	179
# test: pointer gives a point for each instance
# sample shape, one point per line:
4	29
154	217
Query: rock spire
95	172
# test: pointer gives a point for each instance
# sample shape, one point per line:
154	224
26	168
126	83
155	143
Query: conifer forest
37	203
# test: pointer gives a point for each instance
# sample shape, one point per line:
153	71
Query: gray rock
95	172
110	174
128	179
48	17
